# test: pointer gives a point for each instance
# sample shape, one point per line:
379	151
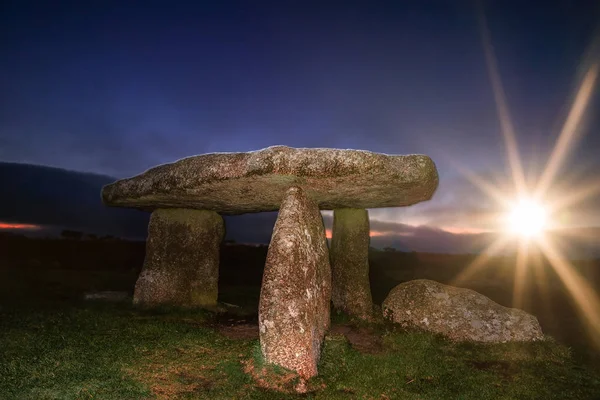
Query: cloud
460	205
457	204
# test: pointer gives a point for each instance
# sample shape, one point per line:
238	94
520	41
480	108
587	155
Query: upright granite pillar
182	259
351	289
296	289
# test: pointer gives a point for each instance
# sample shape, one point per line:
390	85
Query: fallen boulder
457	313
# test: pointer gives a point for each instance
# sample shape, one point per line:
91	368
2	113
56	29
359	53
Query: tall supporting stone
351	289
182	259
296	289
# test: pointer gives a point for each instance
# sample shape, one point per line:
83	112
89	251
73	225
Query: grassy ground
96	351
55	346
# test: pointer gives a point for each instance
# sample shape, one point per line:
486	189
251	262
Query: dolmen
302	276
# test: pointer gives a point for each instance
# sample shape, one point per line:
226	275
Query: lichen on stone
236	183
182	259
351	289
460	314
296	290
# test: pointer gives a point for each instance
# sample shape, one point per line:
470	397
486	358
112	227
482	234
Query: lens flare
527	218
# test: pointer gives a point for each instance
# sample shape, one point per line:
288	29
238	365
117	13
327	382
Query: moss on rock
181	267
351	290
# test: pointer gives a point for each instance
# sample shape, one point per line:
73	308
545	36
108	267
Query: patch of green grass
70	354
423	366
96	351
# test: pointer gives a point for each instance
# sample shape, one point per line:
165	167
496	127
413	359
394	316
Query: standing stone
296	289
182	259
351	289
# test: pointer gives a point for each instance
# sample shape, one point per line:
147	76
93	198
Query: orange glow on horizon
8	225
463	231
388	233
328	233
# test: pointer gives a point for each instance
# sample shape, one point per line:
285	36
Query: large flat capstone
237	183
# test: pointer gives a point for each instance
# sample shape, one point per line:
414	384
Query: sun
527	218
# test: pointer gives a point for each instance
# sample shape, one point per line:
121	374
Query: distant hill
57	198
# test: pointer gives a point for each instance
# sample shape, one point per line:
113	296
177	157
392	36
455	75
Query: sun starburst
527	218
528	212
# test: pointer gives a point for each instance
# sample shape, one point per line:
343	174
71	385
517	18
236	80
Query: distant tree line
77	235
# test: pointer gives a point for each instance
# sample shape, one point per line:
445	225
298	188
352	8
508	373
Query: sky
114	88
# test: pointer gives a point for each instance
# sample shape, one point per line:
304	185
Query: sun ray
567	134
506	125
537	246
585	297
587	234
575	196
540	277
520	274
481	184
480	261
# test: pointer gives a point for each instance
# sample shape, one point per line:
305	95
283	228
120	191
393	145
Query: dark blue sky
117	87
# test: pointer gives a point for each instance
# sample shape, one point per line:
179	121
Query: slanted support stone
296	290
351	290
182	259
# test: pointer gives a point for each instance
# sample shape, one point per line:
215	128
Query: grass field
97	351
53	345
